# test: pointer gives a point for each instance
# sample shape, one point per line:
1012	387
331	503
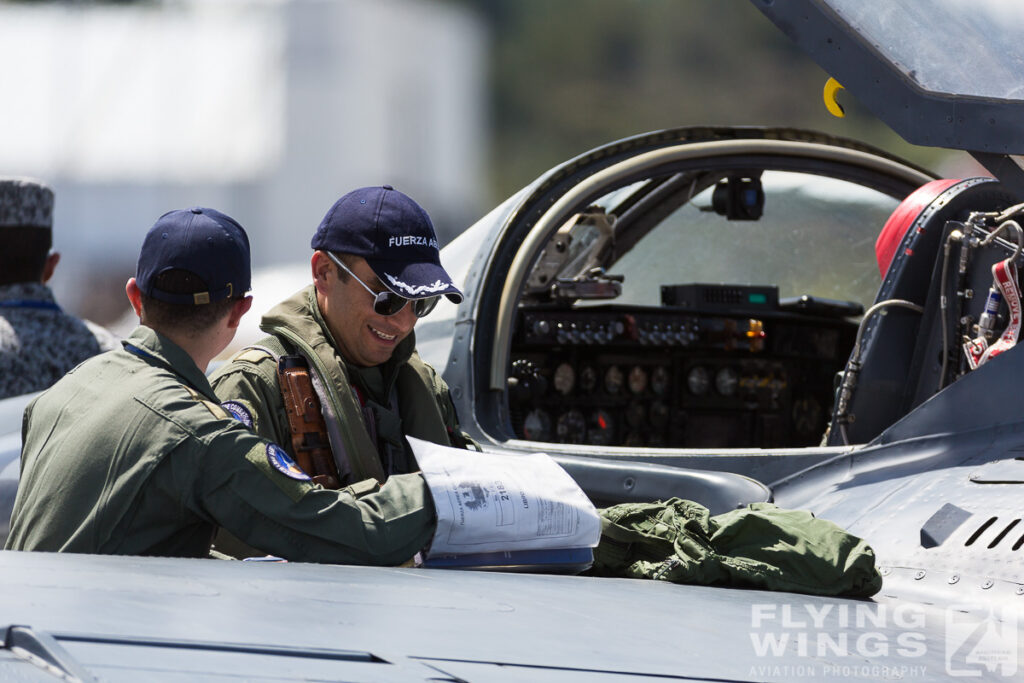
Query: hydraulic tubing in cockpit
955	236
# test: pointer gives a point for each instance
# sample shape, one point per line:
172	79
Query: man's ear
134	296
323	271
50	265
240	308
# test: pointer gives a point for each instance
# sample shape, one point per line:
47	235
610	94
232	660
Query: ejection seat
899	360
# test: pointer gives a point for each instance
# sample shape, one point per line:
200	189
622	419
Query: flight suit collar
154	347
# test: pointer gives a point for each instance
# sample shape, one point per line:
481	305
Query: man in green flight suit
129	453
376	270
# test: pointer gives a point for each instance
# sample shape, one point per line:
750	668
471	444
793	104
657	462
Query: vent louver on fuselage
997	532
1002	531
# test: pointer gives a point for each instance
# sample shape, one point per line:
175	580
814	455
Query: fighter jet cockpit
758	309
704	309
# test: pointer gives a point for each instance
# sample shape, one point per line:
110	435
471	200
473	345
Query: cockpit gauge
636	414
601	429
571	427
658	414
588	378
564	379
637	380
613	380
698	380
726	381
659	380
526	383
537	426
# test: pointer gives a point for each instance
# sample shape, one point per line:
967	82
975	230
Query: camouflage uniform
39	342
128	454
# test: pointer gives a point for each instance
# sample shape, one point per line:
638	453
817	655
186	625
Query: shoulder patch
252	355
283	463
214	409
241	411
295	489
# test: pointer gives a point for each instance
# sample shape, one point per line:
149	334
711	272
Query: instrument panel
670	377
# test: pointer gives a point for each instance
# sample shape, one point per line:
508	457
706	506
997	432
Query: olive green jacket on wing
760	546
129	454
403	397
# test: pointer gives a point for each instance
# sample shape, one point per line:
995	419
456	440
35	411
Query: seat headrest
903	217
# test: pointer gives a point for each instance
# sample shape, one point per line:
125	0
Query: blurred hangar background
271	109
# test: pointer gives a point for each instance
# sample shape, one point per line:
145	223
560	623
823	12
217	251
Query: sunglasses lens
388	303
424	306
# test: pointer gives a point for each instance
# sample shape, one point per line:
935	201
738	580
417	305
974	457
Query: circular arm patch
283	463
240	412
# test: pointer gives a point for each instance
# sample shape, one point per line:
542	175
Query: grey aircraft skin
699	313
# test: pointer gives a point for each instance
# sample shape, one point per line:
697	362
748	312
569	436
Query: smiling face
364	338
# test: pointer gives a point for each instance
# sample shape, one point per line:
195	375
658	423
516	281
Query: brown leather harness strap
308	430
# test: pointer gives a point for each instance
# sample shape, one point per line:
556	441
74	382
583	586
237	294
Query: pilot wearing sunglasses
376	271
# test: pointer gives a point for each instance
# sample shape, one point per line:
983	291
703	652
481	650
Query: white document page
491	503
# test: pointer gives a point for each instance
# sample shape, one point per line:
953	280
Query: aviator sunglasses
387	302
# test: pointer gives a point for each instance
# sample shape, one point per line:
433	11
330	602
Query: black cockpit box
721	298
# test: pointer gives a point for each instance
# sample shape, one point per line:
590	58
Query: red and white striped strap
978	351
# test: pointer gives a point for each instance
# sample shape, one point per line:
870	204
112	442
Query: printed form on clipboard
509	512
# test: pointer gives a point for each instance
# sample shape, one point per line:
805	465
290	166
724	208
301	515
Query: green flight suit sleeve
237	487
254	382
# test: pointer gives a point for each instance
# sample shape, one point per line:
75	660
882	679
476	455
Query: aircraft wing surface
133	618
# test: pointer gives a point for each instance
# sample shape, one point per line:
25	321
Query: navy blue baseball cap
395	236
210	245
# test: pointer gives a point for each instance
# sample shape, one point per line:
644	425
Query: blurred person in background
38	341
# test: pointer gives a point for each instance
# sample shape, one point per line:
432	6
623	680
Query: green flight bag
759	546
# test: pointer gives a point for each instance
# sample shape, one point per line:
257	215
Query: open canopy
942	74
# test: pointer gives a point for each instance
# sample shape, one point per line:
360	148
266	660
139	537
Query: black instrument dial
660	380
588	378
537	426
658	414
564	379
726	381
571	427
637	380
601	430
525	383
613	380
698	380
636	414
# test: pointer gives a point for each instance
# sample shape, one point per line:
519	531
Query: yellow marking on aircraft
832	87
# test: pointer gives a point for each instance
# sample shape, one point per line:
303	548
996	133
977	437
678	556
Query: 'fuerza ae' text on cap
395	236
